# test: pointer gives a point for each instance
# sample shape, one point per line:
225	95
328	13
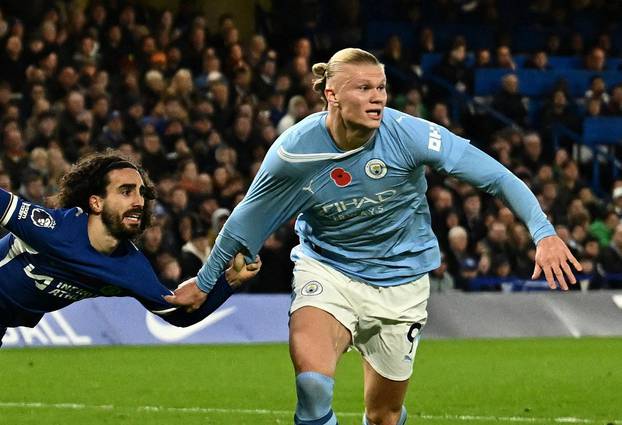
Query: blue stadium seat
614	64
377	33
541	83
431	60
602	131
565	62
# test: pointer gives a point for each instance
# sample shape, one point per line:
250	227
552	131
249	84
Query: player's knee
315	396
385	415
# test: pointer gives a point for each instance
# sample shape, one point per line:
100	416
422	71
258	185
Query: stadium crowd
199	107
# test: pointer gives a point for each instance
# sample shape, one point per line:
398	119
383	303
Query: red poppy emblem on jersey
341	177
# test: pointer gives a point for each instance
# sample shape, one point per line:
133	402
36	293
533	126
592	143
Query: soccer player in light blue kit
355	176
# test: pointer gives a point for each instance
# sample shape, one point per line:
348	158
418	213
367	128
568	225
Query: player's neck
347	137
101	240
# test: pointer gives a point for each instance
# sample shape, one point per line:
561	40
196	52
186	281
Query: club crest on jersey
312	288
42	218
376	169
341	177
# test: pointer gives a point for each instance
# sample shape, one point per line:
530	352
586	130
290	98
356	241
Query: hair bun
319	69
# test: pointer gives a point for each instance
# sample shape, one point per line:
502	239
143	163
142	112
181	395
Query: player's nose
138	200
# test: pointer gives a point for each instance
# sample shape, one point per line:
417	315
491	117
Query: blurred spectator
504	58
397	65
610	261
264	80
413	104
112	133
559	111
13	64
577	45
473	217
593	108
496	241
169	270
440	279
616	196
441	205
70	117
426	43
32	188
196	249
532	152
614	107
524	251
461	262
151	244
297	109
603	227
509	102
596	59
502	270
538	61
453	69
218	219
439	114
483	59
14	157
554	45
597	90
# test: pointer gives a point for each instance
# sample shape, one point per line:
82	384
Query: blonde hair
323	71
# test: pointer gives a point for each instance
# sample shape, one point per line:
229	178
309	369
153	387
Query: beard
114	224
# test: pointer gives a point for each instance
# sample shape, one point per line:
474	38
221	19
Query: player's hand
552	258
187	295
240	272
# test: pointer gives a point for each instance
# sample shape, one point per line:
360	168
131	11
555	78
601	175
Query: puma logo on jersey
309	188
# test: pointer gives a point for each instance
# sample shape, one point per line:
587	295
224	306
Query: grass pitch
526	381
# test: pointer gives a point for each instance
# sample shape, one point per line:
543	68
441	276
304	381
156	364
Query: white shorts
385	322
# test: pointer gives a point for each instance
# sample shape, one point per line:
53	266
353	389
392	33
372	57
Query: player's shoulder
413	132
397	120
305	136
49	218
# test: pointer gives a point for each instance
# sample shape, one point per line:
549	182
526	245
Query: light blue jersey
364	211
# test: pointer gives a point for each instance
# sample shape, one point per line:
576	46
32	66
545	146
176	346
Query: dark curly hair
89	176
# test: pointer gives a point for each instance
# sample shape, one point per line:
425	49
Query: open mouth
374	113
133	217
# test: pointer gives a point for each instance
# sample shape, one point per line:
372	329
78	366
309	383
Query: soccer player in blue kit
354	174
54	257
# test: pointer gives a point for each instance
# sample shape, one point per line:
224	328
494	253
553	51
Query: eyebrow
126	186
364	80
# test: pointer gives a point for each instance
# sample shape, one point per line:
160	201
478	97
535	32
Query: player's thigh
316	340
387	333
383	397
321	317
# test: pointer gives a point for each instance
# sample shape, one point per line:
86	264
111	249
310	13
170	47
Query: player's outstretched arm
189	295
552	258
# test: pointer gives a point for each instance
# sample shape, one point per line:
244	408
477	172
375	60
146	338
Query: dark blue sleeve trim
216	297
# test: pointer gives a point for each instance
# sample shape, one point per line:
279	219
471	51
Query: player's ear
96	203
330	96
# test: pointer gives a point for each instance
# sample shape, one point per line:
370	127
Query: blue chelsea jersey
364	211
47	262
